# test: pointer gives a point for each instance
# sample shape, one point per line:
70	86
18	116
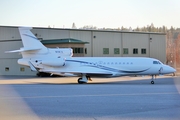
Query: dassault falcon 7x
60	61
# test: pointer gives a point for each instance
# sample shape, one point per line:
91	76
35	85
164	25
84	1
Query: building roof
93	30
64	41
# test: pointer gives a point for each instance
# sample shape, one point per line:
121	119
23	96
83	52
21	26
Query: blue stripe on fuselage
90	64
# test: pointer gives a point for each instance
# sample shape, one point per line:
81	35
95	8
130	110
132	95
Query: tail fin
30	42
32	46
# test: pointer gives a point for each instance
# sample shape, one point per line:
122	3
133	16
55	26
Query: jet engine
58	62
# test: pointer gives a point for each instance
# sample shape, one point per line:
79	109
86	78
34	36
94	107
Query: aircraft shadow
158	81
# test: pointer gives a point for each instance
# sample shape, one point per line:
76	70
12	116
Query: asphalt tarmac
122	98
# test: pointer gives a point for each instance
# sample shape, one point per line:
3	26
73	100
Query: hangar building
88	43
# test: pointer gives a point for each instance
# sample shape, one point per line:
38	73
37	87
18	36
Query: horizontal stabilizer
23	50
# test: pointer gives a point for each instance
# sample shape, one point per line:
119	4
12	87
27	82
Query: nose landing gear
152	82
153	78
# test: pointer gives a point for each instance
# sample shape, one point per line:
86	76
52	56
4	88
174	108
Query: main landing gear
153	78
84	79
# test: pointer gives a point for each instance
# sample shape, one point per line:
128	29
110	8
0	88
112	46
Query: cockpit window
156	62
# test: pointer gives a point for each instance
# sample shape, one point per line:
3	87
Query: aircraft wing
70	73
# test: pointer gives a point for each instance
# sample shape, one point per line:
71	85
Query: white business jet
60	62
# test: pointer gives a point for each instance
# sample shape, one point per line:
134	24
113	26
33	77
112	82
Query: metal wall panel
105	40
51	33
9	33
135	40
158	47
14	68
83	36
9	46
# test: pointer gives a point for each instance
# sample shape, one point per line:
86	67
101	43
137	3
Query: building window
135	51
85	50
81	50
116	51
22	69
78	50
143	51
6	68
125	50
105	50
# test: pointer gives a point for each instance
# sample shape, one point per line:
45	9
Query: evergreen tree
74	26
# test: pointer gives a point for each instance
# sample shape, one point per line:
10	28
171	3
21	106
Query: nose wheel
153	78
152	82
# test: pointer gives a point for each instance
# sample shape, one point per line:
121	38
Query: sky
99	13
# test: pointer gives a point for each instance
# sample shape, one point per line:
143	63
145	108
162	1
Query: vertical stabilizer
30	42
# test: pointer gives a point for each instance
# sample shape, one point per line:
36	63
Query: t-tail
31	45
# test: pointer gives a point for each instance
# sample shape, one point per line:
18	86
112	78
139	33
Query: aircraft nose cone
174	70
167	69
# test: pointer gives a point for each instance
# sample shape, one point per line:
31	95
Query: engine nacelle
23	62
55	62
58	62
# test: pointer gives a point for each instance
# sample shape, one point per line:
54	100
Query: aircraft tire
79	81
152	82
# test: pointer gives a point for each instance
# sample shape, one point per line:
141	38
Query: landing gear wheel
152	82
79	81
